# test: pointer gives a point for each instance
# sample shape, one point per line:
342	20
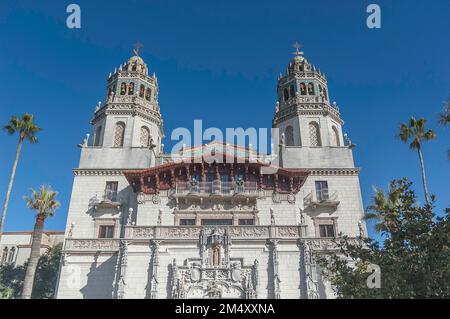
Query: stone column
308	284
154	268
273	244
121	267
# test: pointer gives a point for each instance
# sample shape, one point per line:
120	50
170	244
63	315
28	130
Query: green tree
414	258
44	203
444	119
47	273
416	132
11	277
27	130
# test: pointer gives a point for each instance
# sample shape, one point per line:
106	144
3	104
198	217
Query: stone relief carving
210	279
191	232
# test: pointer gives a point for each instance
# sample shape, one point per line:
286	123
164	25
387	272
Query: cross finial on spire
297	47
137	47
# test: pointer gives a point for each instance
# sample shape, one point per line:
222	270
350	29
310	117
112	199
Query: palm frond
43	201
24	126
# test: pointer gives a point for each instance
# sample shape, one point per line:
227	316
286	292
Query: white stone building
215	225
15	246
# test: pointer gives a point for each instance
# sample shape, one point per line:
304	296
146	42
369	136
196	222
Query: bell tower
306	119
129	123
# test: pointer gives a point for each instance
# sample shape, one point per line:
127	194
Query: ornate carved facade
208	221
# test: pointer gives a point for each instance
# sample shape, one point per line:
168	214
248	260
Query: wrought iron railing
110	195
216	187
322	196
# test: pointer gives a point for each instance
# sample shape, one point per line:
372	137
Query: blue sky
218	61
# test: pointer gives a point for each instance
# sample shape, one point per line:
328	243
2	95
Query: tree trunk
11	180
34	258
424	181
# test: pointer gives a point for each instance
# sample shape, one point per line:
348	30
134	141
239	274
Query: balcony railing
322	198
216	188
110	196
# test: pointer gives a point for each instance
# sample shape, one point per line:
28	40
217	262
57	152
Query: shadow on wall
100	279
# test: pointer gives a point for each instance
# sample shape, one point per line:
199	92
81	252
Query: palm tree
416	131
27	130
383	209
444	117
44	203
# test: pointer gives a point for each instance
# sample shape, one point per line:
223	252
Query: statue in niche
216	255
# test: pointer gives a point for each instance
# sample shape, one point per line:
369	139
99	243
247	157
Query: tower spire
297	46
137	47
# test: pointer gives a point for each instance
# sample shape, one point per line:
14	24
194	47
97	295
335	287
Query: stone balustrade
193	232
91	245
133	233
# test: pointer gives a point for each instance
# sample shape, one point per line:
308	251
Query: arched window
4	255
314	134
336	137
286	94
148	94
289	135
11	255
145	136
141	91
98	134
119	134
325	94
311	89
123	88
302	89
131	88
292	91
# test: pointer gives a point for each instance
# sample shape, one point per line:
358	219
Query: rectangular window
106	231
326	231
246	222
111	191
187	222
322	190
218	222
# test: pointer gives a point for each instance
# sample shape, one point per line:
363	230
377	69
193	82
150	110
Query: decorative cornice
307	109
98	172
334	171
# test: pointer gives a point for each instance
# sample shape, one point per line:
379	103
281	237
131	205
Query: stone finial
302	217
85	141
272	217
70	232
130	215
361	229
282	140
348	142
160	216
